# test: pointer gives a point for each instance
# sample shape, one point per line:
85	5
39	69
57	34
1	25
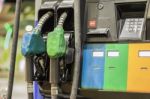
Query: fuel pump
60	46
104	28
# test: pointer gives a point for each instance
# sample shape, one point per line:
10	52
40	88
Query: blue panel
37	94
93	66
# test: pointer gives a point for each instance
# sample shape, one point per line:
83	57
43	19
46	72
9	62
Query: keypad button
127	20
135	26
131	26
134	29
139	26
135	23
131	20
138	29
130	29
136	20
140	23
127	23
132	23
141	20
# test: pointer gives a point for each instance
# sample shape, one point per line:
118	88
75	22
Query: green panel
115	74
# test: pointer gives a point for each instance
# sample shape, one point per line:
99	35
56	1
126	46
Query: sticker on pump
92	24
113	54
144	53
98	54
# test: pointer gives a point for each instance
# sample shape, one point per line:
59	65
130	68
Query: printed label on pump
113	54
98	54
144	53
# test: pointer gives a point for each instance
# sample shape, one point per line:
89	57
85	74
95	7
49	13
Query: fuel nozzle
33	43
56	43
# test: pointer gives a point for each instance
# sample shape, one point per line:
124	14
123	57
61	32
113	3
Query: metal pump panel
101	21
115	20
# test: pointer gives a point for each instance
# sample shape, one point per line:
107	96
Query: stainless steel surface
105	18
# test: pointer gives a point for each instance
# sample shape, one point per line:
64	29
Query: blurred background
7	15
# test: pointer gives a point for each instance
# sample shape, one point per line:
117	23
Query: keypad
134	25
132	29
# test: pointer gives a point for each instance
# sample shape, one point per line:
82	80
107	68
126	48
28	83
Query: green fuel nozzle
56	43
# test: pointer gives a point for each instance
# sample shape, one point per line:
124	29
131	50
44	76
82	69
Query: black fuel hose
14	48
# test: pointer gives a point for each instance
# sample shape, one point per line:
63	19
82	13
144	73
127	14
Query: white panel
144	53
98	54
113	53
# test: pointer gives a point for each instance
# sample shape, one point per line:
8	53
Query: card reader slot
102	32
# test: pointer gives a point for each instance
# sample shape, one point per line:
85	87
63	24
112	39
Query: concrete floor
19	89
